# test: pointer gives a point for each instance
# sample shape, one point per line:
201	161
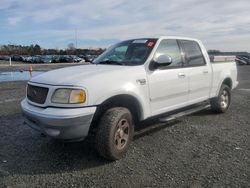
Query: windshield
131	52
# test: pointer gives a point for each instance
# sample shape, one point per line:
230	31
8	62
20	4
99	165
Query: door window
170	47
192	53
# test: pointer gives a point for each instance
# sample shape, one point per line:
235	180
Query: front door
168	85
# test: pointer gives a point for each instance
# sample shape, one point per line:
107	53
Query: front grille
37	94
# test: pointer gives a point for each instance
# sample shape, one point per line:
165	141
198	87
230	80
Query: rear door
168	85
198	71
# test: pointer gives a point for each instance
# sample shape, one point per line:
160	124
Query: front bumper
60	123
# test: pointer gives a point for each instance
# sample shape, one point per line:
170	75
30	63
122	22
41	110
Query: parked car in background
27	59
65	59
243	60
89	58
36	59
55	59
4	57
50	58
76	59
16	58
46	59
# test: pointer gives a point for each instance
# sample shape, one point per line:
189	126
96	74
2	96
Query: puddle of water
14	76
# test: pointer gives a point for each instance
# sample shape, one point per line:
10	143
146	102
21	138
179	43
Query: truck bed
222	59
221	71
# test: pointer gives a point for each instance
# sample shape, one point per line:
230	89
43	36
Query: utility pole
10	60
76	38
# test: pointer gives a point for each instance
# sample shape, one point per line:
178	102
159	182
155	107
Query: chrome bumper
60	123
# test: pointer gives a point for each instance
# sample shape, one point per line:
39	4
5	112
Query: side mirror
163	60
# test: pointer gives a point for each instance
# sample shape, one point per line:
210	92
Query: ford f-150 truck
131	81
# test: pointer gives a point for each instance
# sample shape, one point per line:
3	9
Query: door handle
205	71
181	75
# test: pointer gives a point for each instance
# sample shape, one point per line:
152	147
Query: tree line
35	49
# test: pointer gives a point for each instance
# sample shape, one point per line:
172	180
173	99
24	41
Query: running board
184	113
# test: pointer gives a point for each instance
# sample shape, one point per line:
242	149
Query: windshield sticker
140	41
150	44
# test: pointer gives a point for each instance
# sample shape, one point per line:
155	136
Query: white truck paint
156	91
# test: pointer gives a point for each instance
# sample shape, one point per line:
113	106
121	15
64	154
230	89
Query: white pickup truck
131	81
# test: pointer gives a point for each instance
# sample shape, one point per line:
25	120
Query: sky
221	24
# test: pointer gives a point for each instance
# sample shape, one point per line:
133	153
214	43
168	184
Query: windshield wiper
111	62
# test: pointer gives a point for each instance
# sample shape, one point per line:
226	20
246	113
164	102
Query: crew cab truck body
130	82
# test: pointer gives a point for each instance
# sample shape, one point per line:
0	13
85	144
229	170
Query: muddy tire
221	103
114	133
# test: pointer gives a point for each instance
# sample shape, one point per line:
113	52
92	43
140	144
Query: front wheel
114	133
221	103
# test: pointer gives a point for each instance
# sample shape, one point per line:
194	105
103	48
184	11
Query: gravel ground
199	150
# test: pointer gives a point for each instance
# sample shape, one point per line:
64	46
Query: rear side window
192	53
170	47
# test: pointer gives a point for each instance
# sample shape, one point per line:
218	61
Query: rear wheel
114	133
221	103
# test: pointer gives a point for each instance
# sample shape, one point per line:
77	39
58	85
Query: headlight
69	96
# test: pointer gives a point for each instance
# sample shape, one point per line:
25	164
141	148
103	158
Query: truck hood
76	75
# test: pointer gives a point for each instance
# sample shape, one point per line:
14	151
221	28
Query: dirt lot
200	150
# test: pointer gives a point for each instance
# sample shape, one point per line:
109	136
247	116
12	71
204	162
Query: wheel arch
228	81
120	100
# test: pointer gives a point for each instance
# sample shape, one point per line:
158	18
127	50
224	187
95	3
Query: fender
223	76
144	103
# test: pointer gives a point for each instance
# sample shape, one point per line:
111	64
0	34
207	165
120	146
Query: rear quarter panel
221	71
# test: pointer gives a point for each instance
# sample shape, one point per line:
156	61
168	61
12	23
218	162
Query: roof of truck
177	37
168	37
